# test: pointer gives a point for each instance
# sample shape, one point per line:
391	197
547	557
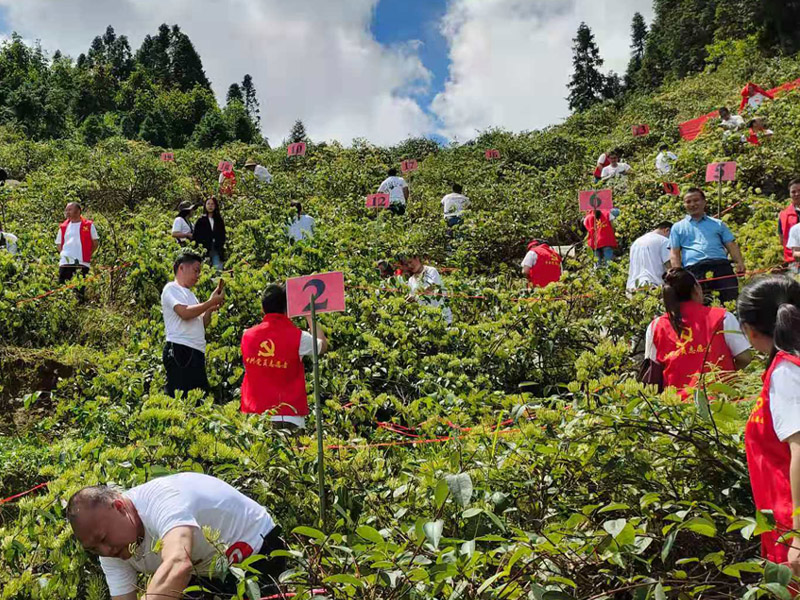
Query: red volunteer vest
598	172
753	138
768	462
788	219
274	377
228	184
682	357
547	268
601	232
86	237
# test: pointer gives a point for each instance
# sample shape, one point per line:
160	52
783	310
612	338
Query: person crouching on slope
690	337
272	352
541	265
770	313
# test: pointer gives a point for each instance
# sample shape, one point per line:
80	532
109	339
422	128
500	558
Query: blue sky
397	22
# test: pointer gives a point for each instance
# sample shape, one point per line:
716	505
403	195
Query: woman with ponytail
770	314
690	337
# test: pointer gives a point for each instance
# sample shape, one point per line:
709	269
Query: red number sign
409	165
640	130
167	156
492	154
722	171
378	201
224	166
672	189
298	149
595	200
328	288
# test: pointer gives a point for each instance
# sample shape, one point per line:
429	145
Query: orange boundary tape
72	285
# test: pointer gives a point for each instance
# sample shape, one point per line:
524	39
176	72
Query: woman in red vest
602	163
770	314
691	338
788	218
601	237
272	352
541	265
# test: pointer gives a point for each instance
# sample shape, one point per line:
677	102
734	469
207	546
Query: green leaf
658	592
440	494
460	487
615	526
774	573
344	578
700	526
613	506
778	590
668	543
433	531
309	532
471	512
253	590
370	533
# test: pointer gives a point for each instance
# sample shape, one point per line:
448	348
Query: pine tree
298	133
587	84
153	56
212	131
234	94
186	66
251	100
613	88
638	40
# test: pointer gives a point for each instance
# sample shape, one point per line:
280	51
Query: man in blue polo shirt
701	244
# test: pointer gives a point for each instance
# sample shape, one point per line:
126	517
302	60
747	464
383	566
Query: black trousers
728	288
398	209
186	369
269	569
67	272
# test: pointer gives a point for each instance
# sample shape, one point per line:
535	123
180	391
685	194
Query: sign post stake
318	412
720	171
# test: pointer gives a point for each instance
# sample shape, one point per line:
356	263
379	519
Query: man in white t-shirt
259	171
615	169
157	528
302	227
729	122
793	243
185	322
650	257
426	285
8	242
454	205
76	240
397	188
664	160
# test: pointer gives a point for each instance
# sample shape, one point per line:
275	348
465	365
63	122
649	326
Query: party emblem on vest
238	552
756	416
267	349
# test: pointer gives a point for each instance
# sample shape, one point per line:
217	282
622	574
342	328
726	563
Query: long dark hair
216	215
771	306
678	287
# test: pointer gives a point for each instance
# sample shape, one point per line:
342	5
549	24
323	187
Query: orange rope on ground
21	494
72	285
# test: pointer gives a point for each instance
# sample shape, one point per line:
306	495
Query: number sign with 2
378	201
327	287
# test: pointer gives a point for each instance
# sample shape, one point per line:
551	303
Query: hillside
582	483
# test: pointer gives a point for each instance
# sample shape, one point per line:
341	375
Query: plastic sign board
224	166
721	171
378	201
409	165
327	287
298	149
595	200
167	156
492	154
672	189
640	130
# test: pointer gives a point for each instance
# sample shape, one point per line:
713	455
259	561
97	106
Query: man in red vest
76	240
272	352
541	265
788	218
601	237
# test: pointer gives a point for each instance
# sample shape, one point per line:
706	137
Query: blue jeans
604	255
216	260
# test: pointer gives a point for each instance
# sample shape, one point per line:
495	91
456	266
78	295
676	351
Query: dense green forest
536	466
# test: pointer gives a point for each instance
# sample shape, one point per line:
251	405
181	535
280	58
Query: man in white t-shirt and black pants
157	528
185	321
650	258
302	226
454	205
76	240
397	188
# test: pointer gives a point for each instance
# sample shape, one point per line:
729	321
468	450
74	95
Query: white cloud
310	59
511	59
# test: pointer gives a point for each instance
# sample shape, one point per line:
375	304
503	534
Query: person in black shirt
209	232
